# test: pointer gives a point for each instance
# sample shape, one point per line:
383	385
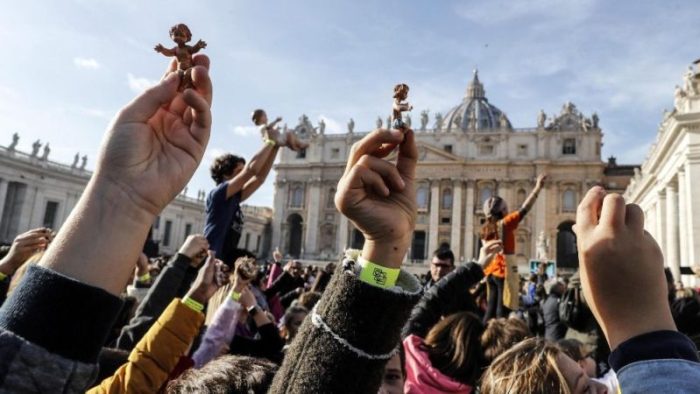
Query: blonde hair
528	367
19	273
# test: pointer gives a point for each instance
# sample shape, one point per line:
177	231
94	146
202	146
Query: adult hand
276	255
622	270
23	247
195	247
211	276
156	142
379	197
540	180
489	250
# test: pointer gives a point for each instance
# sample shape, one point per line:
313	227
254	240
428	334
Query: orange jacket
497	267
157	352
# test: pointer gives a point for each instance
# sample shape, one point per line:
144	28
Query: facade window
257	244
156	224
522	150
597	148
335	153
422	197
50	214
447	199
188	229
301	154
330	202
166	232
447	148
445	220
521	196
297	197
247	241
486	150
485	194
418	245
569	201
569	146
12	211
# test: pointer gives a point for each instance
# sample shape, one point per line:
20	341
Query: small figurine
47	150
321	127
15	141
424	120
84	163
351	126
76	158
246	268
271	132
541	119
35	147
400	95
181	34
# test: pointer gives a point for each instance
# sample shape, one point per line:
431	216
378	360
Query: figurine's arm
196	47
165	51
399	106
274	122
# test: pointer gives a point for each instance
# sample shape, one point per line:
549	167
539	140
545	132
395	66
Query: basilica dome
475	113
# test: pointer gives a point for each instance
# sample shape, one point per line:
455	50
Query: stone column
672	253
692	213
455	239
279	216
434	216
660	235
682	219
342	234
312	213
469	222
3	196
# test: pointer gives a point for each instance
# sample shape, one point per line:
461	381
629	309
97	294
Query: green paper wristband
194	305
377	275
235	296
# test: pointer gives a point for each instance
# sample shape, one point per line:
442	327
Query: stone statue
471	122
568	108
458	121
76	158
84	163
389	123
542	247
438	121
47	150
321	127
379	122
181	34
15	141
678	96
424	120
541	118
35	147
689	84
351	125
408	120
595	120
305	123
503	121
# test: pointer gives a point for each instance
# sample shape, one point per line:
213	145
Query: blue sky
70	65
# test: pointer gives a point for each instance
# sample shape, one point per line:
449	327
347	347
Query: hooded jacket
422	377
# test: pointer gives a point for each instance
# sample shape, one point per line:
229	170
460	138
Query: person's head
401	91
394	374
554	286
295	268
227	374
442	263
495	208
579	353
291	321
225	167
454	347
500	335
180	33
259	117
309	299
535	366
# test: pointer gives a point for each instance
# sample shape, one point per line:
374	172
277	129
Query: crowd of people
84	310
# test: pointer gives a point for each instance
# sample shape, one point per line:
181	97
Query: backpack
573	311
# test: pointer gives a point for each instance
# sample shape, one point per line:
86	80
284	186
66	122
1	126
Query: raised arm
253	168
198	46
530	200
256	181
165	51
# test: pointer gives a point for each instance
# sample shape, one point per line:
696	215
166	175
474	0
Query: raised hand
540	180
622	269
211	276
23	247
156	142
201	44
378	196
159	48
195	247
489	250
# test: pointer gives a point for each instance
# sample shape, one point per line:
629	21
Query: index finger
589	208
371	142
408	155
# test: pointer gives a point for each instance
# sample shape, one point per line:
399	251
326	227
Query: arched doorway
294	224
567	251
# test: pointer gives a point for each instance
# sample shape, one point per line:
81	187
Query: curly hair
400	90
223	166
255	117
184	28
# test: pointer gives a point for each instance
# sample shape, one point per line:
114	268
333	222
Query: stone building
35	192
667	187
467	155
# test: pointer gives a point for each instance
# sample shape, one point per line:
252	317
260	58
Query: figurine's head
401	91
259	117
180	33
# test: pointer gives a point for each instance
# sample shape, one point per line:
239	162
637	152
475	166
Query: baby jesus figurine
272	132
181	34
400	94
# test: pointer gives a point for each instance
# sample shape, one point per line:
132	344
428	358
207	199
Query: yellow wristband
376	275
2	276
192	304
145	277
270	142
235	296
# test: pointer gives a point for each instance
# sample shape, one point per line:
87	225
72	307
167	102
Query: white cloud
245	131
333	126
86	63
138	85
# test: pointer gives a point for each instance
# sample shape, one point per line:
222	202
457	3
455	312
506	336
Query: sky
70	65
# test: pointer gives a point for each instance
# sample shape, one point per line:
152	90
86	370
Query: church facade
467	155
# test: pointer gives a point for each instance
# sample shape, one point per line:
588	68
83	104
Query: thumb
147	103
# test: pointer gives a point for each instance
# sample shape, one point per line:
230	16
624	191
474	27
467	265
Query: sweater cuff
60	314
656	345
366	318
181	261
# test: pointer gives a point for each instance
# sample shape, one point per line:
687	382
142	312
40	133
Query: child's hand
622	270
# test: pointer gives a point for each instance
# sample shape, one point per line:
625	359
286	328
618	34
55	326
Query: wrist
197	295
389	254
8	267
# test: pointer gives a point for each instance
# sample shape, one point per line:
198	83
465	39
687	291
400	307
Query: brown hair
528	367
309	299
502	334
223	166
255	117
573	348
227	374
489	231
400	90
454	348
181	27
